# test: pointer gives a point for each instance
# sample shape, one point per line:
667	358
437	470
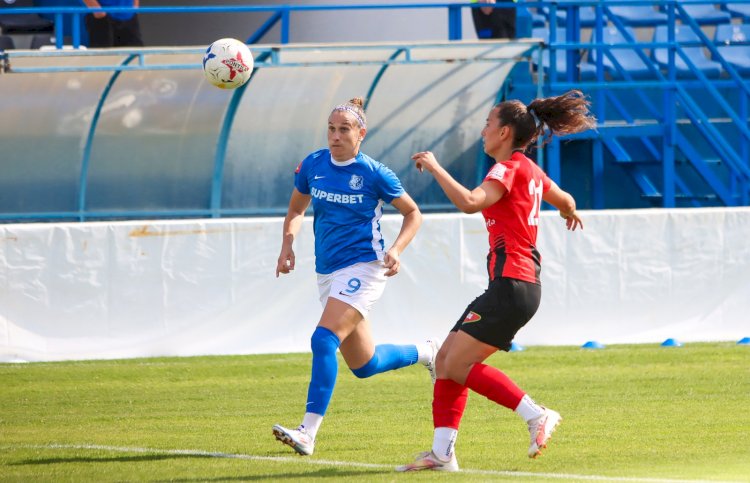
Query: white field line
354	464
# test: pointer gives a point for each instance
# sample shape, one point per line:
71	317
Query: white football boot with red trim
541	430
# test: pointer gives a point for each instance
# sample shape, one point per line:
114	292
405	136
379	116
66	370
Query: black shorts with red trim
499	313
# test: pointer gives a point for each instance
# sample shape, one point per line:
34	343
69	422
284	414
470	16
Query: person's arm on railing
95	4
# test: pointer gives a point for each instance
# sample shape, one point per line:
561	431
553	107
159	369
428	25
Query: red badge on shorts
472	317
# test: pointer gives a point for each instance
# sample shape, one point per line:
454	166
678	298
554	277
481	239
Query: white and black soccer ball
227	63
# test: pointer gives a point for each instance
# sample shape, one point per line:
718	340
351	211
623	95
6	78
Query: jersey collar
341	164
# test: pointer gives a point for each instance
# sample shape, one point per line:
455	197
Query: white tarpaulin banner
191	287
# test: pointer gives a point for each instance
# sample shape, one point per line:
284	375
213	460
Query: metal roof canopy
136	133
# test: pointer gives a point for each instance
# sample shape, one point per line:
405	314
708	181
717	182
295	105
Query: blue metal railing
675	102
279	14
266	56
673	91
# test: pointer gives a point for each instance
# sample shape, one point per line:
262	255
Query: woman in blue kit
348	190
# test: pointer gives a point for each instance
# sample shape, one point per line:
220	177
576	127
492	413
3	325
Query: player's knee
455	370
369	369
440	360
324	341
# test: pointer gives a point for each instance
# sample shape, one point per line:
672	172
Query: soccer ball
228	63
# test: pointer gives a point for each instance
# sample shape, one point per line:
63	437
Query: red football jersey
513	221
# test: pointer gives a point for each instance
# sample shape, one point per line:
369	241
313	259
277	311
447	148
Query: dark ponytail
564	114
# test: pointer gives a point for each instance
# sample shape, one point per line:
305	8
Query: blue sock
325	368
386	358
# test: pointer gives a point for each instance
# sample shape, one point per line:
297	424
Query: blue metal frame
266	57
217	180
280	13
379	75
674	92
265	28
85	159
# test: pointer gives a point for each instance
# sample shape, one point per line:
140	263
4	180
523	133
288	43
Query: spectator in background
116	29
494	23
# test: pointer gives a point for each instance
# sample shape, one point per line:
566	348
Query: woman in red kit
509	198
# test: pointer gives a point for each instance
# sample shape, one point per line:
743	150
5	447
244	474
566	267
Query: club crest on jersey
356	182
498	171
472	317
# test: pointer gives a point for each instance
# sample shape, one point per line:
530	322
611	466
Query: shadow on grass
107	459
321	473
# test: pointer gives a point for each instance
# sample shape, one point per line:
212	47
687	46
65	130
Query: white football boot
428	461
541	429
298	439
430	365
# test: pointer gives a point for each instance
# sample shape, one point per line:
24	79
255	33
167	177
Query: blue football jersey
118	3
347	200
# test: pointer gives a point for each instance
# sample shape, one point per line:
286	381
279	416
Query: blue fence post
285	15
76	26
454	23
59	27
668	140
597	162
597	148
541	153
572	35
553	160
744	149
552	49
523	23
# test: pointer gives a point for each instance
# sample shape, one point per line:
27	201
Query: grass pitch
630	413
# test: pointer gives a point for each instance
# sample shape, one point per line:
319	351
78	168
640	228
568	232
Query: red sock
448	403
494	385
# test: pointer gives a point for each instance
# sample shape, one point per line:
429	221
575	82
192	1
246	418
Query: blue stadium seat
524	22
709	68
638	15
707	14
586	15
40	40
23	24
6	42
736	55
537	19
628	59
587	71
738	10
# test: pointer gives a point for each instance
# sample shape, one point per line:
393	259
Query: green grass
639	411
